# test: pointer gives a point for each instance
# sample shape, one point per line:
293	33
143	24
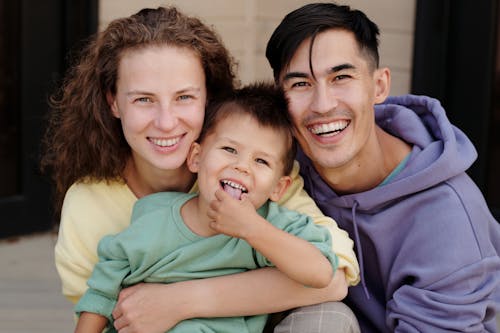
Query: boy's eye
229	149
261	161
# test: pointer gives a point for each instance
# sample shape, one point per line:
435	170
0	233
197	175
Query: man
390	171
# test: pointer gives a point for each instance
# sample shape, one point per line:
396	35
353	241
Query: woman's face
160	100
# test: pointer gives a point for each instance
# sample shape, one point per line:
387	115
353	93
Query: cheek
196	118
297	105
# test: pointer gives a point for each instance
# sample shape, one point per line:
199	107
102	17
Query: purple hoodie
427	243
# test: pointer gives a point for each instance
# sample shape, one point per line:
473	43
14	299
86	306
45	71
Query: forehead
158	68
331	48
244	129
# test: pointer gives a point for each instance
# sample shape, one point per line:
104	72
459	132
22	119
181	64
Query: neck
378	158
143	182
194	214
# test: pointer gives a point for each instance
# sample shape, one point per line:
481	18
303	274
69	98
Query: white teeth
234	185
329	128
165	142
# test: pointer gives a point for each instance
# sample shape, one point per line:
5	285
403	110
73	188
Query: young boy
243	158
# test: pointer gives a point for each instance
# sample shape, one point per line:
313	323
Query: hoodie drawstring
359	249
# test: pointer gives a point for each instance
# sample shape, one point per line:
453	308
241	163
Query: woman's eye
184	97
229	150
144	100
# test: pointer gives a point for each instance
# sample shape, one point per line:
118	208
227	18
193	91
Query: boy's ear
112	104
193	158
280	188
382	77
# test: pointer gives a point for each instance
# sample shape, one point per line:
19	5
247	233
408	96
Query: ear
112	104
280	188
382	77
193	158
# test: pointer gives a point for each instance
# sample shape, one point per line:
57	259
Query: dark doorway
36	36
455	61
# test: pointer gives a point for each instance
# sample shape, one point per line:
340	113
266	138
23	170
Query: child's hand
236	218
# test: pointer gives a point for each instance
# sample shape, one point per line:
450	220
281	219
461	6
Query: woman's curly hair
83	140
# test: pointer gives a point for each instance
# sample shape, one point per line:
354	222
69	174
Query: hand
232	217
145	308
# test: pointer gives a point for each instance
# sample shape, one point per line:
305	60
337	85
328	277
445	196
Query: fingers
221	195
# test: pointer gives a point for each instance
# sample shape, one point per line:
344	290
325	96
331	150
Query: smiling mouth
164	142
235	190
329	129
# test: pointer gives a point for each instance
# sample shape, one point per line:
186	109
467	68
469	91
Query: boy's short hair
266	103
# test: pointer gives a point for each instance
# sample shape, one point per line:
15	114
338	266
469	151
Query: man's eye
229	149
300	84
341	77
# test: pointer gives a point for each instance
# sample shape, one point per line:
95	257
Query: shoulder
280	215
98	190
104	204
160	202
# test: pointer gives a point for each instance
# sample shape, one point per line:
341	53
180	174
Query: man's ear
112	104
280	188
193	158
382	77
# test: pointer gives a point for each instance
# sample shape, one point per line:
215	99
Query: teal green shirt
159	247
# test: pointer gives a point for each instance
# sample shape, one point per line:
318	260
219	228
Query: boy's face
333	111
240	157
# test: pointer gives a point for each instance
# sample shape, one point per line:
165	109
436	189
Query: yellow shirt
92	210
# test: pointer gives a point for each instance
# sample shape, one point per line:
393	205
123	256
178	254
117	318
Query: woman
121	129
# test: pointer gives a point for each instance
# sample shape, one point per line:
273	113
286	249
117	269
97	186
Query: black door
35	37
456	61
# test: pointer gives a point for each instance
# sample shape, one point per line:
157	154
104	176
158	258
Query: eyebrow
143	92
331	70
270	156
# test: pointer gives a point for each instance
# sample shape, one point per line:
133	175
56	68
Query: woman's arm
158	307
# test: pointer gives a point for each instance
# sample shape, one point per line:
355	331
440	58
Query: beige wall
246	25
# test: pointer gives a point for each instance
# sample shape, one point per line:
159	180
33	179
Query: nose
166	119
241	164
323	99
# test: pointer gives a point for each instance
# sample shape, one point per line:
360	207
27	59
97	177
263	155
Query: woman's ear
110	98
382	77
280	188
193	158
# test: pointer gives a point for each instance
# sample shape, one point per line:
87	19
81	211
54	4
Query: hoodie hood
403	230
440	152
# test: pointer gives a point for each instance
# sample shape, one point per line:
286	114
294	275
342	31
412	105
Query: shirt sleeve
297	199
89	213
106	279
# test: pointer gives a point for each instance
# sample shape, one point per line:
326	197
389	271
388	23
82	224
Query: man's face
332	111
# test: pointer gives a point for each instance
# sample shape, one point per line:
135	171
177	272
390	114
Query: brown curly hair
83	140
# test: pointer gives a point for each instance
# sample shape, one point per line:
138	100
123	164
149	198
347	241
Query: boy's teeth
233	189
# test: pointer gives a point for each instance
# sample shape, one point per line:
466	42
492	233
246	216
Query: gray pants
331	317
